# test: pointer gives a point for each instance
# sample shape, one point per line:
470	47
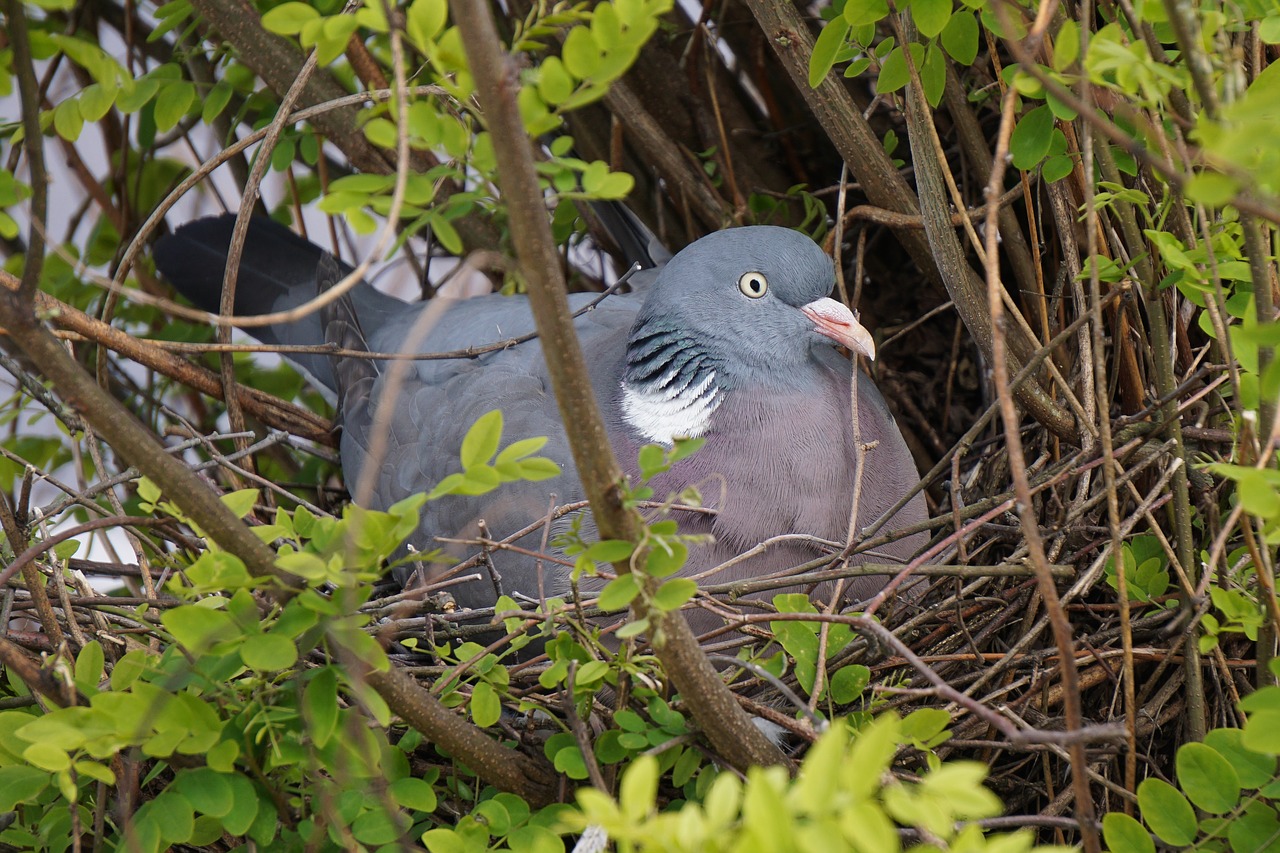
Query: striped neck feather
670	388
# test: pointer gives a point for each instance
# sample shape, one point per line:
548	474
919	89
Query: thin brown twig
1017	464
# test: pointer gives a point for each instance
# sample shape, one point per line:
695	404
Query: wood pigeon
733	340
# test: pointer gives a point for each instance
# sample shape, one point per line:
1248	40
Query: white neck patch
662	415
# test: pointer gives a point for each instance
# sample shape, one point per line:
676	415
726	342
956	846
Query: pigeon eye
753	284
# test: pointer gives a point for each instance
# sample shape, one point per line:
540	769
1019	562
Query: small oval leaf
1208	779
1167	812
1123	834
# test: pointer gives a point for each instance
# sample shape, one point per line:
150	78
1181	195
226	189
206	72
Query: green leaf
481	442
652	459
96	771
47	756
241	501
534	839
960	37
479	479
933	75
924	723
20	784
1253	768
148	491
129	668
674	593
89	665
67	120
619	593
197	628
135	93
448	486
595	176
66	549
639	788
1212	189
444	841
931	16
1258	497
380	132
517	450
413	793
496	817
1030	140
172	103
425	20
1256	830
828	44
96	100
288	19
609	749
663	562
303	564
268	652
894	73
848	683
1262	732
569	761
376	827
613	186
1208	779
217	570
320	705
336	35
683	448
859	13
580	55
1062	112
1056	168
686	765
1167	812
591	672
208	791
554	83
448	236
858	67
793	602
610	551
873	749
1123	834
486	707
245	808
633	629
223	756
1066	46
216	101
1269	29
373	18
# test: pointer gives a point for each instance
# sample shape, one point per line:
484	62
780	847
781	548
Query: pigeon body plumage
733	340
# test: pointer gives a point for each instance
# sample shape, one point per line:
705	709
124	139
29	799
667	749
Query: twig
32	146
579	729
1017	463
713	706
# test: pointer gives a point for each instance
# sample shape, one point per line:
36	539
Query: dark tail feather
278	271
637	243
275	262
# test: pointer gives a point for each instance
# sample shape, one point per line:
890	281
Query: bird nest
974	635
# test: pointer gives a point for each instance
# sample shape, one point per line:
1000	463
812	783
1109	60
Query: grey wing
421	417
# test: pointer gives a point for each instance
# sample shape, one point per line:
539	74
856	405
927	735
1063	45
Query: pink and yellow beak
834	320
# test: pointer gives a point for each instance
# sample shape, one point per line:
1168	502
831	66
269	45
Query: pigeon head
742	308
